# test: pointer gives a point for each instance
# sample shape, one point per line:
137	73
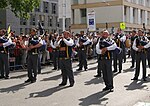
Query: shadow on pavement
19	76
47	92
94	81
52	78
94	99
93	68
128	70
137	85
47	72
14	88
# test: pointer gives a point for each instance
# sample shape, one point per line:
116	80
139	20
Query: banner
91	25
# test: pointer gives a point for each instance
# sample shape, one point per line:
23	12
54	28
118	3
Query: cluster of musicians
110	50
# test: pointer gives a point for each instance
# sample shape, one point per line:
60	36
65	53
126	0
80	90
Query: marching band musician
65	43
99	71
54	51
32	58
140	45
133	52
83	42
120	41
5	43
103	48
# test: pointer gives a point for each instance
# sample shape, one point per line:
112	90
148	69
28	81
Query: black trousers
117	57
133	55
82	59
4	64
106	66
67	72
55	59
148	57
141	56
99	69
32	66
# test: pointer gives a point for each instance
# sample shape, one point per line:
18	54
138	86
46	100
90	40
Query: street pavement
87	90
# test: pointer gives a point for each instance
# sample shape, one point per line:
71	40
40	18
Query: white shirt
68	43
53	44
8	43
134	44
85	43
112	47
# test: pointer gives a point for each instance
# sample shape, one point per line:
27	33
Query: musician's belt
62	49
65	58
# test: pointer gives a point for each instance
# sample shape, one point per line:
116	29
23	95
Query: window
83	12
75	1
21	30
45	6
50	21
83	16
53	8
26	31
73	16
125	10
37	9
23	21
42	19
32	19
134	12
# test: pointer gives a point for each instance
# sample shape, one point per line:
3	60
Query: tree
21	8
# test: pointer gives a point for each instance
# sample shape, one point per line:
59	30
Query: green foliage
21	8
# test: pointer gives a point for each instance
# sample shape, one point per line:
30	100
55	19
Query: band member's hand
1	44
81	43
104	50
27	48
31	47
141	47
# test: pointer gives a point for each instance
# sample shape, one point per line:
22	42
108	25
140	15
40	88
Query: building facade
64	15
47	14
135	13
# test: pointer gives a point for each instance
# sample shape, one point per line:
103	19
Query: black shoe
105	89
33	81
85	69
62	84
119	71
79	69
1	77
7	77
28	80
115	71
39	72
144	79
97	75
71	85
134	79
111	90
54	69
132	67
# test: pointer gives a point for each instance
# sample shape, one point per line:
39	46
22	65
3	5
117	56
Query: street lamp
64	14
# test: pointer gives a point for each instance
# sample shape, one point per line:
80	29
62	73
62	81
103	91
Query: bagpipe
141	41
34	42
104	43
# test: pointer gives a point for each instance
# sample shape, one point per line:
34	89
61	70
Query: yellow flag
8	30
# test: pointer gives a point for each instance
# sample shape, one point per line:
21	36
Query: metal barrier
13	56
